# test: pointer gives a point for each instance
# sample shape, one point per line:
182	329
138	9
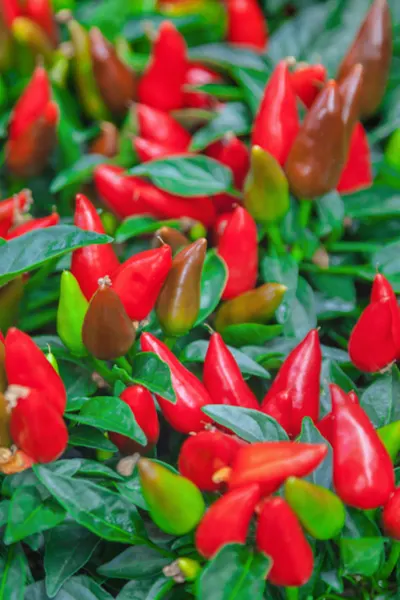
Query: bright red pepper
12	208
158	126
185	415
205	453
281	537
162	83
223	379
247	25
279	407
33	224
357	172
138	281
141	403
325	425
277	122
299	375
10	10
391	516
41	13
382	289
270	463
232	153
37	372
219	226
31	104
238	247
148	150
197	74
227	521
93	262
363	473
307	81
116	191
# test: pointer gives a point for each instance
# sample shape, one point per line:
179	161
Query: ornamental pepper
372	47
31	104
350	88
266	190
52	360
325	425
357	172
279	407
178	302
204	454
318	153
146	150
32	225
374	341
141	403
238	247
14	462
319	510
157	126
72	309
5	416
223	379
246	24
107	331
279	535
107	142
37	373
161	85
36	426
391	516
175	504
10	10
33	39
41	12
138	280
277	121
189	568
300	376
232	153
116	191
363	473
186	414
91	263
390	438
11	295
198	74
219	226
115	80
227	521
12	209
171	237
307	81
255	306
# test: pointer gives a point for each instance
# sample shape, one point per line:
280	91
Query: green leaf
387	259
141	225
285	270
146	589
14	570
377	202
27	252
322	475
250	425
226	56
381	399
335	295
187	176
232	118
137	562
362	556
68	548
303	314
235	573
154	374
250	333
81	587
80	172
212	284
253	83
88	437
221	91
103	512
331	212
110	413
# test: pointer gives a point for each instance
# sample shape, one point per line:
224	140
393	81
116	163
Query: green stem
351	270
304	213
124	364
391	562
170	342
101	368
274	235
292	593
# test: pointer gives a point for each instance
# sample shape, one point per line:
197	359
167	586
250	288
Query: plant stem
304	213
124	364
101	368
274	235
351	270
292	593
391	562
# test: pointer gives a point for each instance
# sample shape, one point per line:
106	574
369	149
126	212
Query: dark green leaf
232	118
331	212
88	437
250	333
387	259
213	280
14	570
285	270
250	425
226	56
137	562
78	173
146	589
303	314
154	374
381	400
377	202
322	475
252	83
141	225
76	588
362	556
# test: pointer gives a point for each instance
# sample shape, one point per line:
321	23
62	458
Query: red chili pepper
270	463
247	25
31	104
138	281
33	224
116	191
391	516
148	150
158	126
197	74
238	247
232	153
41	12
91	263
381	289
12	208
141	403
307	82
277	122
223	379
162	83
219	226
205	453
36	427
37	372
185	415
357	172
10	10
227	521
325	425
363	473
299	375
279	407
280	535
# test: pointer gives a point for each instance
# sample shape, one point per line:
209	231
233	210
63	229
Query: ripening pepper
15	462
5	415
11	295
10	10
223	379
357	172
247	25
391	516
363	474
107	142
189	568
158	126
266	190
314	166
72	309
138	280
141	403
12	209
198	74
178	302
32	39
162	84
116	190
227	520
204	454
233	153
300	376
107	331
41	12
91	263
186	414
175	504
32	225
320	511
325	425
171	237
280	536
350	88
52	360
307	81
277	121
146	150
3	374
372	47
375	340
390	438
37	373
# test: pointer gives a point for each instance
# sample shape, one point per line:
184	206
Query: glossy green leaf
234	118
303	315
154	374
322	475
252	83
250	333
377	202
138	562
212	284
146	589
362	556
250	425
80	172
88	437
331	212
141	225
14	570
381	399
81	587
227	56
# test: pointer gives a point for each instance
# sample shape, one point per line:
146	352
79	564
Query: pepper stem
292	593
274	234
388	567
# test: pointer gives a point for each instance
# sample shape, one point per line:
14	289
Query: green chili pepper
27	33
72	309
189	568
390	437
52	360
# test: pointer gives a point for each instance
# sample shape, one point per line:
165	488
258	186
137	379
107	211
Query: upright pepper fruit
161	85
32	39
41	12
372	47
185	415
10	10
158	126
32	225
246	24
116	190
280	536
277	122
325	425
363	473
279	407
93	262
107	142
391	516
307	81
350	88
172	237
198	74
12	209
72	309
146	150
227	520
232	153
300	376
175	504
357	172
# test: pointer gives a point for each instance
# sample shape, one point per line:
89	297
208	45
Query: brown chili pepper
107	142
173	237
